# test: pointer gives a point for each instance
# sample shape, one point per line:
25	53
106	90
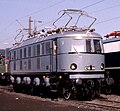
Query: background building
4	59
2	52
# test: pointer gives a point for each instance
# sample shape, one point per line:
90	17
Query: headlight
90	67
43	77
102	66
78	81
60	77
73	66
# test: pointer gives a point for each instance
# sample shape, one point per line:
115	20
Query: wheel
108	90
91	96
98	88
66	93
90	90
17	88
109	85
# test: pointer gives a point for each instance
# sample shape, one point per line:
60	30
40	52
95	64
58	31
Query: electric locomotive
65	60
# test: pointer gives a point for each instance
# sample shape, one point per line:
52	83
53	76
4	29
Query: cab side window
97	46
88	45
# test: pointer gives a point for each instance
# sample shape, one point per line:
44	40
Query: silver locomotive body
74	53
76	56
68	60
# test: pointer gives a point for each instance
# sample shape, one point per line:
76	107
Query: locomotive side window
29	51
20	65
42	48
34	50
38	49
97	46
14	65
38	63
14	55
29	64
11	56
47	47
20	53
24	52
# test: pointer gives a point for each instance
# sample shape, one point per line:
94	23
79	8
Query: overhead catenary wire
103	9
43	9
118	17
107	8
81	8
93	4
57	3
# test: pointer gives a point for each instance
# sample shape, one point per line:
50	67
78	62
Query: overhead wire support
19	23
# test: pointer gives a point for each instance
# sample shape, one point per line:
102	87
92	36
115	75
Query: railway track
104	104
101	105
7	88
108	103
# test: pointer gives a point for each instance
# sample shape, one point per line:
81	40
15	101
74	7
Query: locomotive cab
83	60
81	52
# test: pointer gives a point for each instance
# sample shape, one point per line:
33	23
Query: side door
53	56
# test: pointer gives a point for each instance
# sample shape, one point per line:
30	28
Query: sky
14	15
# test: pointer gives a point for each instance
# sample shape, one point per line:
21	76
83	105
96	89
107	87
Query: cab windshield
93	46
97	46
87	45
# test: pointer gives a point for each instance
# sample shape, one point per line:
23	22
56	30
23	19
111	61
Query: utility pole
35	26
29	26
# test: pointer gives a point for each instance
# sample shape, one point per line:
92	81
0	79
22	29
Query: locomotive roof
114	39
67	30
71	34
